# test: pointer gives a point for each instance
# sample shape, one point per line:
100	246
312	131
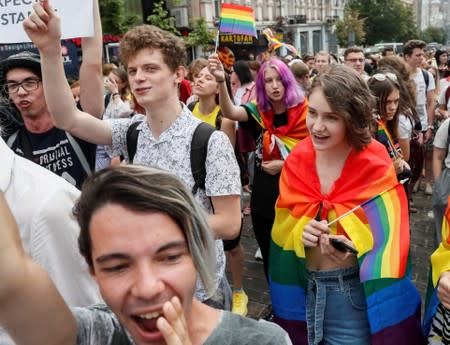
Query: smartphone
342	246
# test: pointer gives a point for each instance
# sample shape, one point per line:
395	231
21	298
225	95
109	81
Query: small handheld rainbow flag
387	215
237	19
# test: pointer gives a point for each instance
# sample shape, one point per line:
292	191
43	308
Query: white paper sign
76	18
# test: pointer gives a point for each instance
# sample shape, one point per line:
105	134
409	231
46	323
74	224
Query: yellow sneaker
240	300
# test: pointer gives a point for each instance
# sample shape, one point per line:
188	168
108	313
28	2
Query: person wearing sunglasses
354	58
385	128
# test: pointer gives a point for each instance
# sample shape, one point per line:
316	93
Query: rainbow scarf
237	19
440	262
279	142
379	229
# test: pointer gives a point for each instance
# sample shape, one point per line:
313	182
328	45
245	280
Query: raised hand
43	27
215	67
173	325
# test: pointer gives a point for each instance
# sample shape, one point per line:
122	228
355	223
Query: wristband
115	94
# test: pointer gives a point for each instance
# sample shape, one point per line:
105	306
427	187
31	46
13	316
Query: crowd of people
130	243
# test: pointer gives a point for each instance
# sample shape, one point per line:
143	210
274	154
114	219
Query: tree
350	28
160	18
114	19
386	20
200	35
433	34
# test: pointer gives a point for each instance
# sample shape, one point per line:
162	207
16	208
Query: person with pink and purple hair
277	120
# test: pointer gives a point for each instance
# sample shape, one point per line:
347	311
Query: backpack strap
80	154
199	151
426	77
132	137
24	143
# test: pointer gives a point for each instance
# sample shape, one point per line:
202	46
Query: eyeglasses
355	60
28	84
383	76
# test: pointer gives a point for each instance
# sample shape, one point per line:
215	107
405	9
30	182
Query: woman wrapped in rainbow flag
339	258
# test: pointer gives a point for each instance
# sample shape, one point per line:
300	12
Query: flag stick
217	40
360	205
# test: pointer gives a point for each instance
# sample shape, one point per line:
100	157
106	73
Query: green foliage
351	24
386	20
160	18
114	19
433	34
200	35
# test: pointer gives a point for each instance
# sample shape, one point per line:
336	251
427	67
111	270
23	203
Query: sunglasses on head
384	76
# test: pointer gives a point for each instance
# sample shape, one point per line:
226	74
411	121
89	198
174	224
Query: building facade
306	24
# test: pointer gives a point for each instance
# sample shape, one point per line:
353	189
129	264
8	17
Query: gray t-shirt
97	325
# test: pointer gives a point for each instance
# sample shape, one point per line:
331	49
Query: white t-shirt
42	203
421	92
405	127
441	140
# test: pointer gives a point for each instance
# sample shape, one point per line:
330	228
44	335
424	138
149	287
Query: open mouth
146	325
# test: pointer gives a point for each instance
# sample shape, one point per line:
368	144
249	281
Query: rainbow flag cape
279	142
379	230
440	262
237	19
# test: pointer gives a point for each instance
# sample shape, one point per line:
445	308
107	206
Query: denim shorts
336	309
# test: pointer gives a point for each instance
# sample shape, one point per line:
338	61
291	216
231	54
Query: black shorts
231	244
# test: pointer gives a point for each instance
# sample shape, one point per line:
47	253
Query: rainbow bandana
279	142
379	229
237	19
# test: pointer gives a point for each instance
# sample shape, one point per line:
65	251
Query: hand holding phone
342	246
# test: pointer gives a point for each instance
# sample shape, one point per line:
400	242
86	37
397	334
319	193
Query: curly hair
152	37
348	96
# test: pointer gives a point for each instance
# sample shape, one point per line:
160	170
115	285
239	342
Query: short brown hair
348	96
352	50
411	45
152	37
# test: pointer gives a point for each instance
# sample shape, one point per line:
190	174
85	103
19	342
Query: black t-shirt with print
53	151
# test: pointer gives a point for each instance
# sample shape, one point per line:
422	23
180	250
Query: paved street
422	245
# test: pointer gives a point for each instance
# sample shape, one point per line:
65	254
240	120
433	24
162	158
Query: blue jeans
336	309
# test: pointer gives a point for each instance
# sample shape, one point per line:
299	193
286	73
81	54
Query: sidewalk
422	245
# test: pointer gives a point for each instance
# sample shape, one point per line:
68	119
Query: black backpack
199	150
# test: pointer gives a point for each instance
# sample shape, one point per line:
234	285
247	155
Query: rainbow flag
275	43
388	220
379	230
384	136
237	19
